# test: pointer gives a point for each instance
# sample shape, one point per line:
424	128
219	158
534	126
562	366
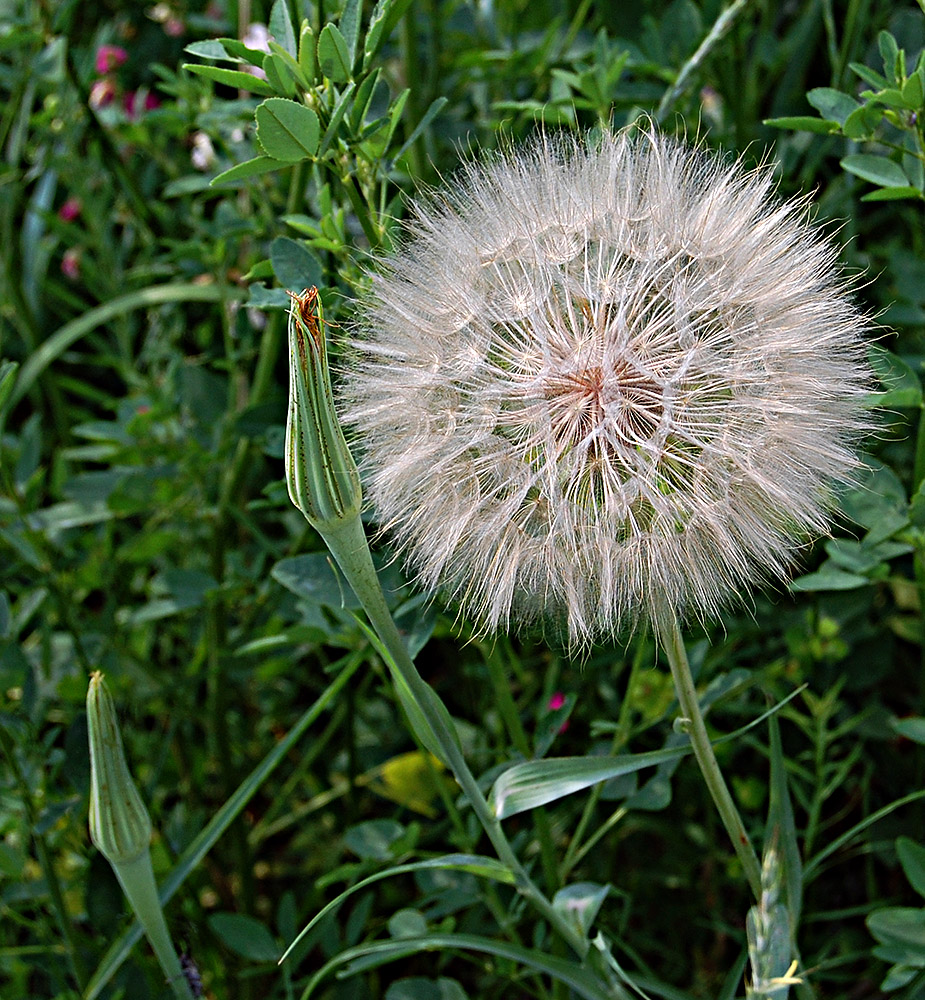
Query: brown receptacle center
601	405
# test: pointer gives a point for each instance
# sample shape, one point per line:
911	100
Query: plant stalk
670	636
348	544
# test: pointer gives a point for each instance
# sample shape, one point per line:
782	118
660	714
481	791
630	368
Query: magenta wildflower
134	107
109	58
69	211
70	264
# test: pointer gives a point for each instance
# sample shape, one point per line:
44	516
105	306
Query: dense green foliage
145	528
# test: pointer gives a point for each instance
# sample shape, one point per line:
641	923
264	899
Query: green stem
722	24
137	881
673	644
348	545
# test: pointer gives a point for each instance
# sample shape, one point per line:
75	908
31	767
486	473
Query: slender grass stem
722	24
518	736
576	849
673	644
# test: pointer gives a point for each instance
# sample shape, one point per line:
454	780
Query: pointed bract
120	826
320	472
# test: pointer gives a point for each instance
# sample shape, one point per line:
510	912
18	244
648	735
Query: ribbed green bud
120	826
320	472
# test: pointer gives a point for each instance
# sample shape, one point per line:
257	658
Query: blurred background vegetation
145	528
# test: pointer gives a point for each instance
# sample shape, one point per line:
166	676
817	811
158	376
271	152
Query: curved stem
348	545
670	637
137	881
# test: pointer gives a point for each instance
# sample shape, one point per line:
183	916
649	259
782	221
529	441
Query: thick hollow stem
673	644
137	881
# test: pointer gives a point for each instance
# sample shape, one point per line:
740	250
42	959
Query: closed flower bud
120	826
320	471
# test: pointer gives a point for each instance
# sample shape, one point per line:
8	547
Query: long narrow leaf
474	864
369	955
535	783
429	115
781	824
220	822
59	342
811	869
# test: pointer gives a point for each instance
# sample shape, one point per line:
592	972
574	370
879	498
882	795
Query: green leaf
373	839
407	923
472	864
828	577
307	61
902	386
295	266
209	49
8	371
312	578
291	64
245	936
893	194
878	502
249	168
349	26
869	76
832	104
333	56
782	830
337	116
418	988
912	858
374	954
876	169
913	92
863	122
891	97
900	925
912	728
429	115
580	903
386	14
287	130
889	52
279	75
537	782
231	78
280	26
226	50
804	123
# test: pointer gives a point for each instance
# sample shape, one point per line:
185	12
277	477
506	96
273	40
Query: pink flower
69	211
70	264
131	104
556	701
109	58
174	27
102	93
